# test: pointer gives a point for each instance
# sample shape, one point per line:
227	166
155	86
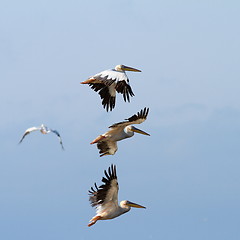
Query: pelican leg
94	220
99	138
105	154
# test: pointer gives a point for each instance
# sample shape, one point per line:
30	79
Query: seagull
107	142
107	82
105	198
44	130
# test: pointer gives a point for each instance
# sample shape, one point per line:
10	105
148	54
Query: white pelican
107	82
105	198
44	130
107	142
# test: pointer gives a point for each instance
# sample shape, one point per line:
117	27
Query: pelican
107	82
107	142
105	198
44	130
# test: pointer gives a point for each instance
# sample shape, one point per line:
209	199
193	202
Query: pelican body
105	198
108	82
107	142
44	130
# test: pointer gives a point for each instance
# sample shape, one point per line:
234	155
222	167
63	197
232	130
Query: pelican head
127	204
133	129
123	68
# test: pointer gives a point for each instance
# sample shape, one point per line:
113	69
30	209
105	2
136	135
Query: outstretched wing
29	130
107	147
107	94
108	191
124	88
59	137
104	84
135	119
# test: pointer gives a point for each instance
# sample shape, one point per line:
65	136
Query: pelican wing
135	119
107	94
107	147
59	137
101	83
124	88
106	77
108	191
29	130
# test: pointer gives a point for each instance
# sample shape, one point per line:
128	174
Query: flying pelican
107	142
105	198
44	130
107	82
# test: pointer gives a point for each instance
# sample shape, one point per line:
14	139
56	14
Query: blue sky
186	173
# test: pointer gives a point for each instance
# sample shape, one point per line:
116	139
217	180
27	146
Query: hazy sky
186	173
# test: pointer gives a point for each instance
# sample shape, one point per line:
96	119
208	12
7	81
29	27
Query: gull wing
29	130
107	147
108	191
59	137
135	119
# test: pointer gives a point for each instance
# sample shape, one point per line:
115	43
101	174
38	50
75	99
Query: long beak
131	204
125	68
134	129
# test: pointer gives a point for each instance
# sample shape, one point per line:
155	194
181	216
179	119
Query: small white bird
107	82
105	198
107	142
44	130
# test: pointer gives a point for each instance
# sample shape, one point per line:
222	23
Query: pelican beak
131	204
134	129
125	68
